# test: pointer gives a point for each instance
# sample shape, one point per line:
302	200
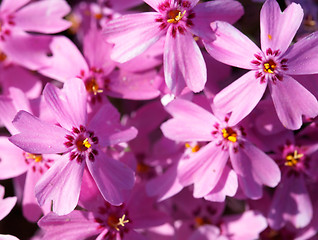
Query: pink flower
17	18
208	169
271	66
178	21
100	220
82	142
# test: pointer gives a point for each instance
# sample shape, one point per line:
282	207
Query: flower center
92	86
269	66
35	157
293	158
229	134
174	16
82	143
115	222
194	148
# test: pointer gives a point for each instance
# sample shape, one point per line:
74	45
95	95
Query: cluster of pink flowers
133	120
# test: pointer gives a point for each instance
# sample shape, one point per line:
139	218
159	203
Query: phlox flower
291	203
82	140
177	21
100	220
97	70
14	161
208	169
17	18
273	65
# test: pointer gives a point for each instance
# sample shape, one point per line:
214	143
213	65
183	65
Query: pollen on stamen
269	37
293	158
229	134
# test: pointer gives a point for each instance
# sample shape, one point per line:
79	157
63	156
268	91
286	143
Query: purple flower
178	21
82	142
271	65
208	169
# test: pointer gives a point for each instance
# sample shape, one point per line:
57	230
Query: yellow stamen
86	143
92	86
269	37
269	66
174	18
35	157
293	159
122	221
193	149
229	134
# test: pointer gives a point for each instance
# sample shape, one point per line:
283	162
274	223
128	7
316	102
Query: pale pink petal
183	56
209	156
112	178
190	122
148	60
37	136
292	101
291	203
227	186
248	163
30	207
27	50
12	163
247	91
278	29
218	10
11	6
6	204
68	106
66	61
7	113
231	47
135	86
97	51
76	225
11	77
248	225
141	29
165	185
106	125
8	237
209	175
60	185
45	16
302	56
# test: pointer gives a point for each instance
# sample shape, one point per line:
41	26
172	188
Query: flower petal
112	177
217	10
76	225
278	29
11	6
302	56
108	128
45	16
291	101
69	107
248	162
227	186
183	56
247	91
291	203
141	29
190	122
61	185
37	136
66	61
231	46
